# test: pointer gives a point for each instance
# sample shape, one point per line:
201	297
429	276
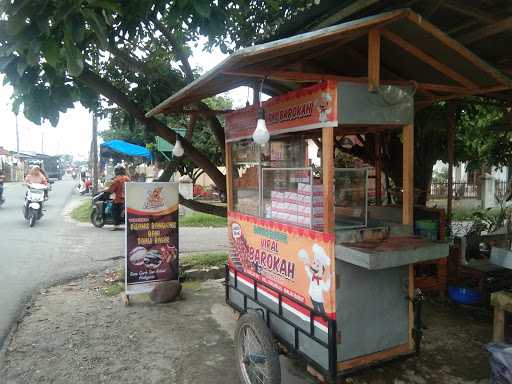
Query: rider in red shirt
117	187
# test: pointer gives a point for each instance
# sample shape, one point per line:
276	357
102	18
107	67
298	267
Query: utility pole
17	135
94	152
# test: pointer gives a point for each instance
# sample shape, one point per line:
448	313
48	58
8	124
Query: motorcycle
84	186
101	213
33	206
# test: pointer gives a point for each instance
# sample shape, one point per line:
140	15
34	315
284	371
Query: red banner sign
307	108
296	261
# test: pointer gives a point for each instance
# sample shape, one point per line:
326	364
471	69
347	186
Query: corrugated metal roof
341	50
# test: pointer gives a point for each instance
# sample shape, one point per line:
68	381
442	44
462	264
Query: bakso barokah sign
151	235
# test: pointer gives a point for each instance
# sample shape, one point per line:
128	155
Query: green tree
124	127
482	138
134	53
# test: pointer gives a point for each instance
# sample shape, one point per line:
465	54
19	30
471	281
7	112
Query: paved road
58	248
55	249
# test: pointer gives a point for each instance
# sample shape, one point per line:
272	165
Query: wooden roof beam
305	77
443	68
345	12
195	112
463	8
462	26
433	9
317	77
487	31
326	50
459	48
373	60
482	91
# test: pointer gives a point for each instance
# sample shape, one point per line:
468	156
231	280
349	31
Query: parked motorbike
101	213
33	206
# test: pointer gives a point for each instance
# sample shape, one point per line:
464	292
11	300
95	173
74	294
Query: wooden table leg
498	332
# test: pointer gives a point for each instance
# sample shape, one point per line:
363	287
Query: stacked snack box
277	205
284	206
304	207
291	207
311	205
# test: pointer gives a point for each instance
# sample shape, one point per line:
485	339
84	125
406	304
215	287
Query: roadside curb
73	202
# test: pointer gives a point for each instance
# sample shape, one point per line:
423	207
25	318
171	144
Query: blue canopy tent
126	149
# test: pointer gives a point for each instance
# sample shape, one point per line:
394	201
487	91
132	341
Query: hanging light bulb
178	150
261	134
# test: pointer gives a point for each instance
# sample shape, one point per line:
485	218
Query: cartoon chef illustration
317	272
323	106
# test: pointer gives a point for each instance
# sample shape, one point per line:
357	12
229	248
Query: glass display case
246	176
350	197
290	195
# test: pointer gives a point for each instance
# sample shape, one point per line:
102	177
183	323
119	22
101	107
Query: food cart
314	269
331	275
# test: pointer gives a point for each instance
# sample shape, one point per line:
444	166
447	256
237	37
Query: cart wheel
256	353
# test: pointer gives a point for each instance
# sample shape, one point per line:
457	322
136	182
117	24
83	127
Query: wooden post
498	330
328	177
229	176
256	94
408	174
94	153
407	210
451	140
373	60
378	169
410	309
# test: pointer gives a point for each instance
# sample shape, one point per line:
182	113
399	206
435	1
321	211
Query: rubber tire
32	217
96	218
256	322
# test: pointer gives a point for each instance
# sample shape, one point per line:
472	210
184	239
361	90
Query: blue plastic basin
465	295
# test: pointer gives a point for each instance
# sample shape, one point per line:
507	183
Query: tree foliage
134	54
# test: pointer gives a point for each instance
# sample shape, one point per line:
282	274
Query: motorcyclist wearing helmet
35	176
117	188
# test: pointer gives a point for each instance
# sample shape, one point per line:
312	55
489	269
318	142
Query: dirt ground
74	333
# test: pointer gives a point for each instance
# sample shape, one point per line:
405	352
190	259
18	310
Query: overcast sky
73	133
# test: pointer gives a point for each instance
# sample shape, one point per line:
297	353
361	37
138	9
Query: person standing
117	187
2	179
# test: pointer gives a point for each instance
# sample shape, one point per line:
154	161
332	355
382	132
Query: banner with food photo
151	235
296	261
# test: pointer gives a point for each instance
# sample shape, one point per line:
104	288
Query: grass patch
469	214
204	260
114	283
113	289
197	219
82	213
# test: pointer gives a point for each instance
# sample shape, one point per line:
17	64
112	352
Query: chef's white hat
320	255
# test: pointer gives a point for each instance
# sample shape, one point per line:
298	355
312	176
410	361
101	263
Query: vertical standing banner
151	217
